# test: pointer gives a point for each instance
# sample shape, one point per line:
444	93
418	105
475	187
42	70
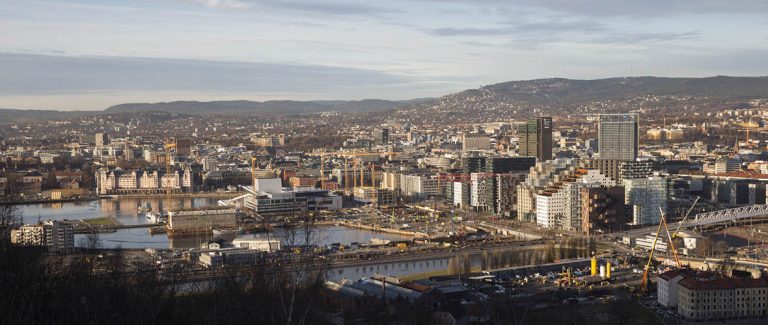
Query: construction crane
168	146
662	222
253	173
679	224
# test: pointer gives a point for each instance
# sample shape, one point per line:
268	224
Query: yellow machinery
662	222
608	270
593	266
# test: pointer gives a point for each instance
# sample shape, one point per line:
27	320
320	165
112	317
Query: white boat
153	217
219	232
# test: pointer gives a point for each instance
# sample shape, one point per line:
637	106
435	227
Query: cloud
523	28
543	32
45	81
43	74
226	4
613	8
303	6
633	38
328	7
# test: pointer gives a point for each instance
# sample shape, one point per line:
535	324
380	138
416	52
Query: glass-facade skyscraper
618	136
535	138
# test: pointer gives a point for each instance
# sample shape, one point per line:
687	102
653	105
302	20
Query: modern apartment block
57	236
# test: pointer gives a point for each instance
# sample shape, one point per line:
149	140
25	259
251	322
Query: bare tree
91	241
10	217
304	270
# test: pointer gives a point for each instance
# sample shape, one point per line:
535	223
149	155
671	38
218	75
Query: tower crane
168	146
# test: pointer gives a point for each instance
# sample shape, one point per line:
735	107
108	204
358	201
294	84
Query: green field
104	221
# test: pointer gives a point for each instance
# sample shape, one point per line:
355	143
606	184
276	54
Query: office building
476	141
535	138
100	139
618	136
183	147
472	164
269	141
381	136
504	165
269	198
646	199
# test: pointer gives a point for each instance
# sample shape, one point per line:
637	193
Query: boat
144	208
153	217
220	232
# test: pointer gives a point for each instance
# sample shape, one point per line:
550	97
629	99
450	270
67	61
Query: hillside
8	114
253	107
558	96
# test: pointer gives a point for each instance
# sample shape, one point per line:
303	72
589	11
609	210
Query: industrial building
199	220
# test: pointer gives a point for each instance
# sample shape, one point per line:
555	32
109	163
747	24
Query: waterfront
126	211
459	263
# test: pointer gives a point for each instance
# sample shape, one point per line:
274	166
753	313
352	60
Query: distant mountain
559	89
253	107
558	96
8	114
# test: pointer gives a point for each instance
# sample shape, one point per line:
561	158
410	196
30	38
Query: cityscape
137	188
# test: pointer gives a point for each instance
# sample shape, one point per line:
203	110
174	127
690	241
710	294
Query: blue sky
92	54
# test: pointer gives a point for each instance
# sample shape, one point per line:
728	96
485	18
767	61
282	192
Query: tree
50	181
10	217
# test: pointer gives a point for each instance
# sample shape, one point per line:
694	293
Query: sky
91	54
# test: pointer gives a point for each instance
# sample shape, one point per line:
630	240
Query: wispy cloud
226	4
633	38
559	31
311	6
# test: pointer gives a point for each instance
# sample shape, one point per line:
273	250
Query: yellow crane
662	222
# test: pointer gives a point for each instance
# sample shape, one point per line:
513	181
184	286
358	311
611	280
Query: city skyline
99	54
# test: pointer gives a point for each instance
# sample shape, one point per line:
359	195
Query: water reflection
463	262
126	211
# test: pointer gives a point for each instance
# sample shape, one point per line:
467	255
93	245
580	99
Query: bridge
710	219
